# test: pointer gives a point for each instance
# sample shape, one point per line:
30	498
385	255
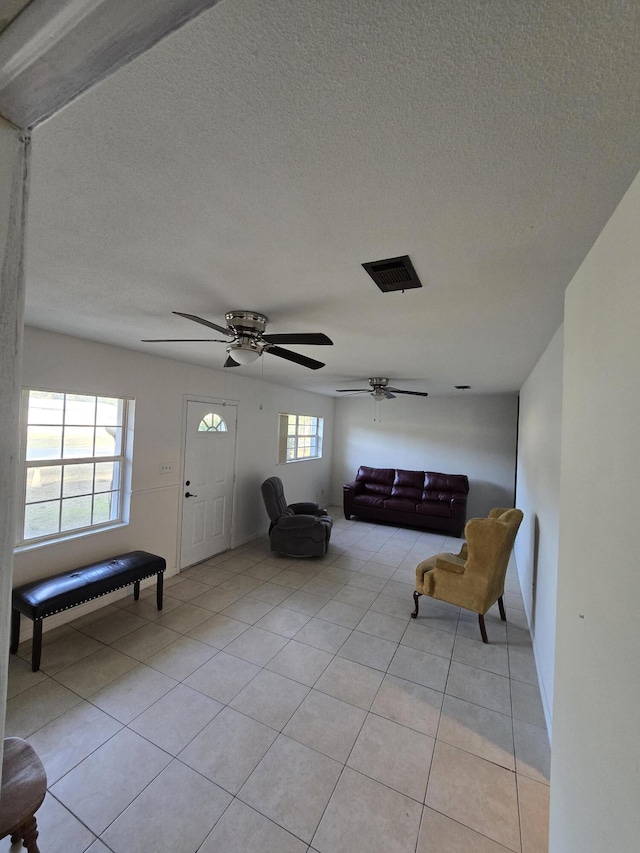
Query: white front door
207	486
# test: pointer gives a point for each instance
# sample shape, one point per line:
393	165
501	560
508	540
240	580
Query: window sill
32	546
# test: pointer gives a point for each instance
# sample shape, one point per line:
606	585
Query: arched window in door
212	423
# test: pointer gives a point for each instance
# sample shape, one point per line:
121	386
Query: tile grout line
335	655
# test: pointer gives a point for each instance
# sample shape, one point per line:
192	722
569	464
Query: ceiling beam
52	52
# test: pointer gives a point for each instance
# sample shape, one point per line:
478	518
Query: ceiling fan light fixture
243	353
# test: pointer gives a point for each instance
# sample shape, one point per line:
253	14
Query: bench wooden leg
159	589
36	650
136	590
15	631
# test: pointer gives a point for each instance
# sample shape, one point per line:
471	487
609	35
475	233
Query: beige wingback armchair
474	578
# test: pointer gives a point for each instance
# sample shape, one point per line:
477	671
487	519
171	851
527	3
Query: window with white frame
212	423
300	437
74	456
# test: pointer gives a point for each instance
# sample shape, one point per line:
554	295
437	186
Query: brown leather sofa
424	499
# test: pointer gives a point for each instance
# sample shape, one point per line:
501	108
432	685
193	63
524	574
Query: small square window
300	437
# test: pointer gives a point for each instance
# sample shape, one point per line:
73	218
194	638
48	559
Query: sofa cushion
433	495
408	485
440	508
378	481
369	500
399	505
434	481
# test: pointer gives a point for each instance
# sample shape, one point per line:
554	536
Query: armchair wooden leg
503	615
416	596
483	630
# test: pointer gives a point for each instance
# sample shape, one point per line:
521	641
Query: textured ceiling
9	10
256	157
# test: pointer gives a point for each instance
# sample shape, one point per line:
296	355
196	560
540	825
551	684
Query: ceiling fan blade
390	396
181	340
352	390
230	362
197	319
317	338
294	356
413	393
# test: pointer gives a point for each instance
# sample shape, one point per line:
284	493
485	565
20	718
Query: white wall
595	771
468	435
538	496
159	385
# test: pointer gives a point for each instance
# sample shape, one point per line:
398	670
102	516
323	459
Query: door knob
189	495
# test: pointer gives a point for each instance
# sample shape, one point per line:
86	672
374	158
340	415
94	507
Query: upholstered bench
47	596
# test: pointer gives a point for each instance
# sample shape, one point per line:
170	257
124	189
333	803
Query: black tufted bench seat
47	596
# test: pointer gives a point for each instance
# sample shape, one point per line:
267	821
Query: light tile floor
282	706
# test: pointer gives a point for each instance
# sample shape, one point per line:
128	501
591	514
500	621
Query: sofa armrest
458	512
349	491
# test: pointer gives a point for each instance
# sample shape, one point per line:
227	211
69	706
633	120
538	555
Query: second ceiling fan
380	390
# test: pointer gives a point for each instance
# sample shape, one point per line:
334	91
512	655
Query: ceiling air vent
393	274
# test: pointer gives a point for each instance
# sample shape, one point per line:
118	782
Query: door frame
214	401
